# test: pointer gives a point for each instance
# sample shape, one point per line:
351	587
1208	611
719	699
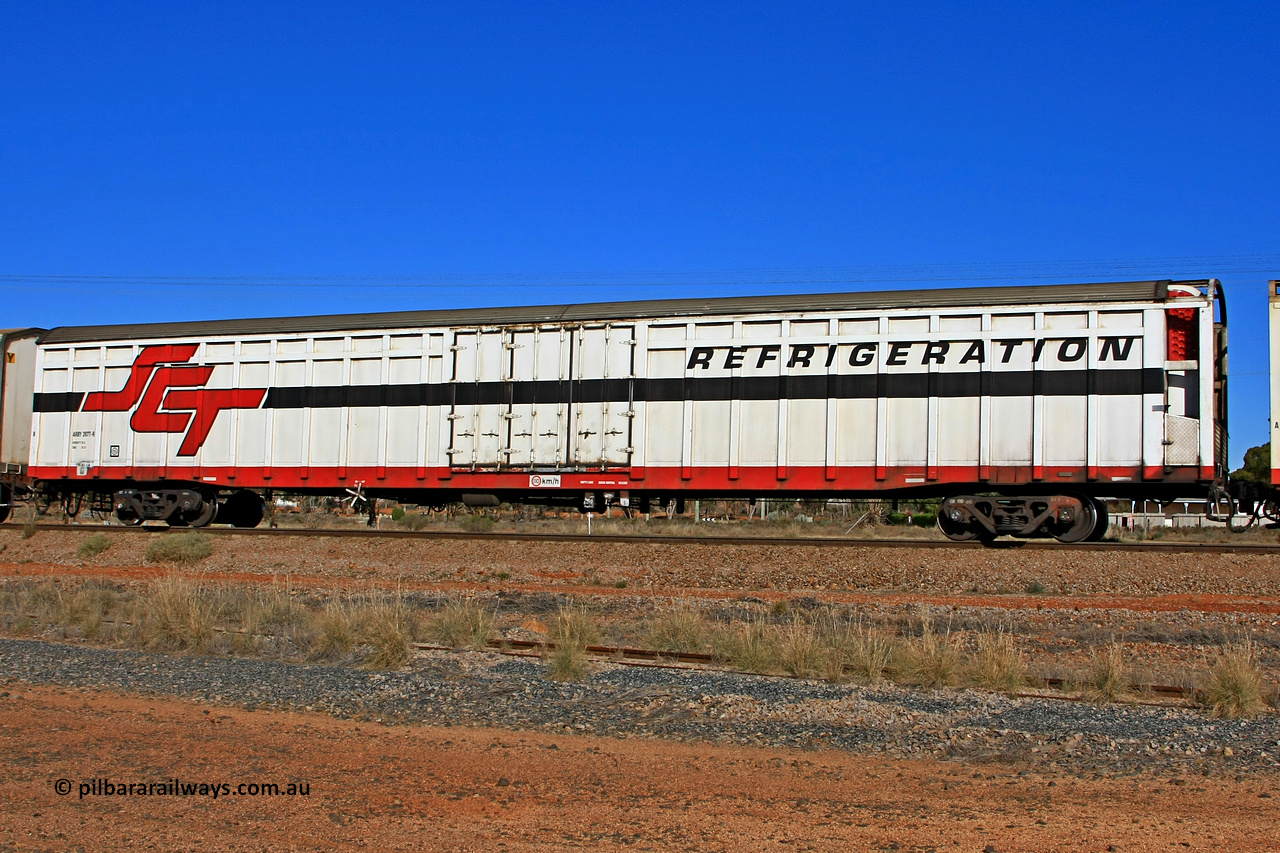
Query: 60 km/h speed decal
544	481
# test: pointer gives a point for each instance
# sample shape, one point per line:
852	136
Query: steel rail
1140	694
668	539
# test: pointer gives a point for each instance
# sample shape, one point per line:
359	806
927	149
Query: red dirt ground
1201	603
421	788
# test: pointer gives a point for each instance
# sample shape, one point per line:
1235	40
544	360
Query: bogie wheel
957	531
1084	525
128	517
1102	523
205	514
5	497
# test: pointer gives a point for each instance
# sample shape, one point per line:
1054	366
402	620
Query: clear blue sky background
179	161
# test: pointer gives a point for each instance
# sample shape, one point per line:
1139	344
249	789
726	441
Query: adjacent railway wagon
1023	407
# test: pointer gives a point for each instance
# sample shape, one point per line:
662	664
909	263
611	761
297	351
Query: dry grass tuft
178	615
387	629
999	664
189	547
574	626
461	623
801	651
335	635
270	620
566	663
855	650
88	607
932	659
1235	682
681	630
1108	678
29	528
750	646
571	632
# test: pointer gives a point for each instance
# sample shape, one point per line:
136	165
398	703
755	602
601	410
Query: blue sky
181	161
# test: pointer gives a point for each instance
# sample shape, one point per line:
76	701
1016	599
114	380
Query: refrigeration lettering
904	353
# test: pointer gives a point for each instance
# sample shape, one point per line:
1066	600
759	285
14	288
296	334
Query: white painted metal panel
53	428
664	421
218	445
711	432
1153	400
1120	424
1065	430
251	424
806	432
759	448
1011	431
958	430
906	427
493	366
117	437
362	421
405	424
327	424
519	434
462	417
548	422
602	430
287	424
15	408
856	432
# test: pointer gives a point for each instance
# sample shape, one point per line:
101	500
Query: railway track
1141	694
792	541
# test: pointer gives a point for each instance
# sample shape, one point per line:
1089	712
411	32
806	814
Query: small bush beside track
190	547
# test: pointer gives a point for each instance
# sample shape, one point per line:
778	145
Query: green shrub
397	514
574	626
88	607
414	520
477	524
93	546
189	547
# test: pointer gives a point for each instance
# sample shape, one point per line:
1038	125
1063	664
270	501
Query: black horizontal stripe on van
62	401
1022	383
1063	383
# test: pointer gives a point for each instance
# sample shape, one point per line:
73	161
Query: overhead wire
1157	267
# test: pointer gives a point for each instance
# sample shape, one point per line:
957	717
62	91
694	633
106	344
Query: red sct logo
170	398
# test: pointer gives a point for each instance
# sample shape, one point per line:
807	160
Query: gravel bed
491	690
732	568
